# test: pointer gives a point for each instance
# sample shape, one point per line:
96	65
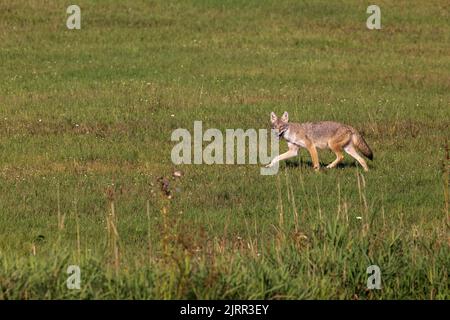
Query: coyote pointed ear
285	117
273	117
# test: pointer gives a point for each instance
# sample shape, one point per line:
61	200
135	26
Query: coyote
325	134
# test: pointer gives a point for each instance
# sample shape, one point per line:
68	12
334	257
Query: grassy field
86	118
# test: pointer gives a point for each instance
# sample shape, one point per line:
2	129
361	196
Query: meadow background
85	123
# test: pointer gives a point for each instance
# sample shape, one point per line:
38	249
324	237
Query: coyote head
279	125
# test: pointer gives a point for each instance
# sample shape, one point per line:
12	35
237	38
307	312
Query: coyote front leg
314	157
292	152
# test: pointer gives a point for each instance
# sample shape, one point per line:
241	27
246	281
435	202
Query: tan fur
320	135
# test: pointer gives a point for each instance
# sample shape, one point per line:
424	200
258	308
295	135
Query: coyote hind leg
336	145
339	158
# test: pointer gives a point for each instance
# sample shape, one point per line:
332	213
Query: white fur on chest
291	138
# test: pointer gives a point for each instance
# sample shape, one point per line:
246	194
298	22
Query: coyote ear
285	117
273	117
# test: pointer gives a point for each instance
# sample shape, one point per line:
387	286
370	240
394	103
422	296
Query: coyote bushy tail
362	145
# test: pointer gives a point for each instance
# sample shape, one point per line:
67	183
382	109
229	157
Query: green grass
86	119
